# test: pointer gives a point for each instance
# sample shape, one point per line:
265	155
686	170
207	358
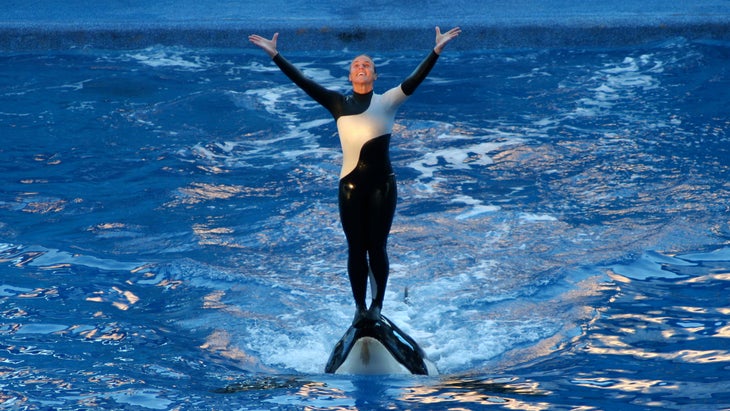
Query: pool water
169	235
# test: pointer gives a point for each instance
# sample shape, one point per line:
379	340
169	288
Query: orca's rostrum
377	346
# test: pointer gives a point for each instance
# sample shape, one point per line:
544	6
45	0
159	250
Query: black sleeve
410	84
321	95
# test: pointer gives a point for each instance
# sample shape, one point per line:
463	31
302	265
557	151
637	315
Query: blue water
169	236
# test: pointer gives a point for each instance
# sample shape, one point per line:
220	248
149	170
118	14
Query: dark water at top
169	236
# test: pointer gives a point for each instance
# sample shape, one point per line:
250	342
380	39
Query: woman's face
362	71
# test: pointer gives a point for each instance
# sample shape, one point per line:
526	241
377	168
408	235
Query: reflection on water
649	331
652	347
467	393
351	393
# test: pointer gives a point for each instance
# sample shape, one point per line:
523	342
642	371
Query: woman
367	192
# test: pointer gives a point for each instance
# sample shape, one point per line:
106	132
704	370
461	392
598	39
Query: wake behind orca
377	346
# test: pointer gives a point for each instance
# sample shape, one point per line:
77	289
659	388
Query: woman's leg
381	209
351	212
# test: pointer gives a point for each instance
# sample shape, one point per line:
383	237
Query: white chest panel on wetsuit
357	129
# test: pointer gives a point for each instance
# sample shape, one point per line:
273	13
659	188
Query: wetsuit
367	192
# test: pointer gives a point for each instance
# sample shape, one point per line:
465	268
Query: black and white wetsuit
367	192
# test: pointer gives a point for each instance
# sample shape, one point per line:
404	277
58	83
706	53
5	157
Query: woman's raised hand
269	46
443	39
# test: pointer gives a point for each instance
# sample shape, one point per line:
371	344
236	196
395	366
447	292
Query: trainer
367	188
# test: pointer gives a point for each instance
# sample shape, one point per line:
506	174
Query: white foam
477	207
170	57
306	125
269	98
473	341
461	158
77	86
617	82
537	217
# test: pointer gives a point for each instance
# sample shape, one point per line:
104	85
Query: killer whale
377	346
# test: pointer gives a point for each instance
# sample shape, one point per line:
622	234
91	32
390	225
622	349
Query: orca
377	346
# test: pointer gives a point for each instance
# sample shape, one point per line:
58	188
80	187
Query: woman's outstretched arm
325	97
410	84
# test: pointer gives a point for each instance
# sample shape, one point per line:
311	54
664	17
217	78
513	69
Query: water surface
169	236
